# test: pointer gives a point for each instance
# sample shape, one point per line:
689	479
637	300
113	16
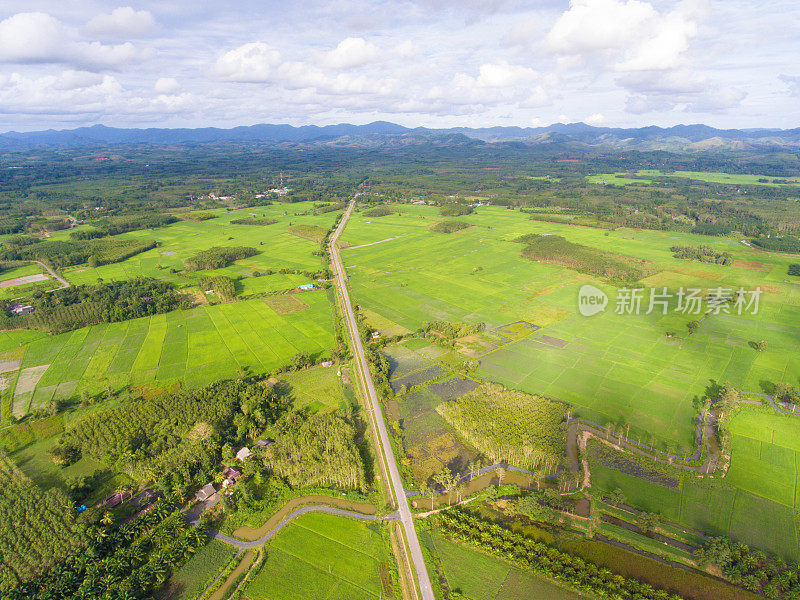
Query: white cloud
502	74
166	85
251	63
792	82
630	35
122	21
69	92
351	52
30	38
596	119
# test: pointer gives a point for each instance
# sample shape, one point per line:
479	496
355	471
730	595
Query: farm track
244	545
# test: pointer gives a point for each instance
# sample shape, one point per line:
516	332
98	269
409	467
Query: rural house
205	492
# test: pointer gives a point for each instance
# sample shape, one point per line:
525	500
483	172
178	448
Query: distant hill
379	133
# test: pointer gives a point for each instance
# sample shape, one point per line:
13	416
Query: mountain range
679	137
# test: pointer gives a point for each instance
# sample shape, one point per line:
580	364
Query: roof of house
243	453
231	473
205	492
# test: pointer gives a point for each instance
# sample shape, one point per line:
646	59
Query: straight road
381	436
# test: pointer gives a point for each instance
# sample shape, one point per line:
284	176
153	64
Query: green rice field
199	571
482	577
277	249
324	557
193	347
646	176
612	368
713	506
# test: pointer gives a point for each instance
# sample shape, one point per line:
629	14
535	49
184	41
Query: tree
787	393
760	345
648	521
617	497
445	479
692	326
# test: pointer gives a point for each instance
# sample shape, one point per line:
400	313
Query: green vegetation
325	556
59	254
197	573
704	254
174	438
509	426
470	573
224	287
454	209
37	528
751	569
555	249
79	306
789	244
129	561
315	233
218	257
253	221
193	347
574	571
379	211
794	270
122	224
317	450
449	226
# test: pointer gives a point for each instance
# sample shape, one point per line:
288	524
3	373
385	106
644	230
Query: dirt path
294	514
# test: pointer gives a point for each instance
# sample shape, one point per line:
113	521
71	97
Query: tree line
218	257
494	539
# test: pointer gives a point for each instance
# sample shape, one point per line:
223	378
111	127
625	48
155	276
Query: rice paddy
613	368
326	557
193	347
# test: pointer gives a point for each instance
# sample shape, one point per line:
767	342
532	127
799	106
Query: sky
434	63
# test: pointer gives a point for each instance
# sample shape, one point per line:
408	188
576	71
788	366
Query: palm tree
107	519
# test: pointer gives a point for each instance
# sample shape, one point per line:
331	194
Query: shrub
454	209
449	226
218	257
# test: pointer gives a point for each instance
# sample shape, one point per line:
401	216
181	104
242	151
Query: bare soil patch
285	303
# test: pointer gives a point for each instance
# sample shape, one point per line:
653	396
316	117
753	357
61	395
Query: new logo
591	300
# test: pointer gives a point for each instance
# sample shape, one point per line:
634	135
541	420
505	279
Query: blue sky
432	62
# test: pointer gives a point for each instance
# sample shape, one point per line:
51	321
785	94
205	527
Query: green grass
614	368
647	176
323	556
199	571
193	347
764	455
715	507
482	577
317	389
277	248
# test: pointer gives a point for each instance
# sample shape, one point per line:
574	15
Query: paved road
381	437
295	513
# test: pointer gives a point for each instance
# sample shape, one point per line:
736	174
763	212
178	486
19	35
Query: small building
205	492
376	335
22	309
264	443
327	363
306	287
243	454
231	473
116	499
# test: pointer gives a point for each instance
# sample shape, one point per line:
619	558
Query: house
306	287
205	492
231	473
243	454
264	443
22	309
376	335
327	363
